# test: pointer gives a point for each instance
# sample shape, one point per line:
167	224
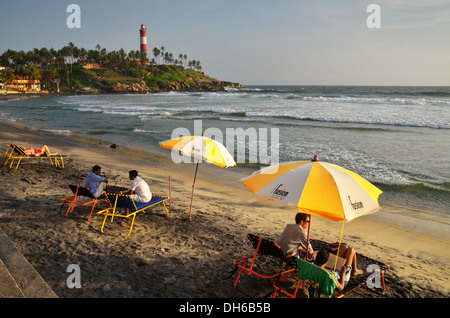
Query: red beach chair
72	200
262	247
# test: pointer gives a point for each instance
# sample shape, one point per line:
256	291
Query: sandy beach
171	257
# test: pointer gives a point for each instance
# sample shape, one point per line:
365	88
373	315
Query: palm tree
33	73
82	53
162	52
49	76
3	75
156	53
18	58
9	77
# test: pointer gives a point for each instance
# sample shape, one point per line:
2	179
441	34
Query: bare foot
357	272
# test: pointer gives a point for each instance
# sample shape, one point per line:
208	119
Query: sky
256	42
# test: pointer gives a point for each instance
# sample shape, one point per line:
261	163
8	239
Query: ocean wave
64	132
403	119
441	189
422	195
376	100
291	108
146	131
421	99
391	122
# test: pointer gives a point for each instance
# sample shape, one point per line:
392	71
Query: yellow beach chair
118	200
16	152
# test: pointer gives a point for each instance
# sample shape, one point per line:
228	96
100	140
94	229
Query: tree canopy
48	64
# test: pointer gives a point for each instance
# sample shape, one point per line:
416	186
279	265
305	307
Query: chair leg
92	209
131	227
167	212
240	272
18	162
6	161
11	163
104	220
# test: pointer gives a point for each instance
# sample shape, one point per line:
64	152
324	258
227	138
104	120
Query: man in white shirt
139	189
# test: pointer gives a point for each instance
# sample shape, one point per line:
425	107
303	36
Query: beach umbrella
203	149
316	188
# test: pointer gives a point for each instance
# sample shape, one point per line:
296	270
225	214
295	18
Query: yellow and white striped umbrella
317	188
203	148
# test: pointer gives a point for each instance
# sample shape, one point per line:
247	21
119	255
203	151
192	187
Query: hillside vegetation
77	70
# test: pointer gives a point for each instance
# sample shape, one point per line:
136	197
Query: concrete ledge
18	279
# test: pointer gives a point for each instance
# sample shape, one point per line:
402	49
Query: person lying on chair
139	189
39	152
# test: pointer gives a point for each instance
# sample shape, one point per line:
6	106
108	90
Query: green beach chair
307	271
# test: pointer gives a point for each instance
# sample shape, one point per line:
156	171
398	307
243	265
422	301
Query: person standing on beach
139	189
293	240
95	183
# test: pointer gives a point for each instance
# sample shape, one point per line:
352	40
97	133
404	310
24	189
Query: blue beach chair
118	200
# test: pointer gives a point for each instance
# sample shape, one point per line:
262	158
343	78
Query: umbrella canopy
203	148
317	188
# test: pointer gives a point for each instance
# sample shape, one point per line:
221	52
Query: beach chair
309	271
79	192
362	280
118	200
364	262
262	247
16	152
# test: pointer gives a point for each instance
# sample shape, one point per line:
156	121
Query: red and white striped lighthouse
143	33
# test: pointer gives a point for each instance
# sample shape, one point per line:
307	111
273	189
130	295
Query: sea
398	138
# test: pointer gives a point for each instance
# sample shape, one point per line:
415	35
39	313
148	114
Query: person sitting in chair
39	152
95	183
139	189
342	276
293	240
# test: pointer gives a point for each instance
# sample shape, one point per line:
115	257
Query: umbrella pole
193	187
170	195
339	246
307	245
307	238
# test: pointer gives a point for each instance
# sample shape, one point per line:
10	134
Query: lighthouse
143	34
